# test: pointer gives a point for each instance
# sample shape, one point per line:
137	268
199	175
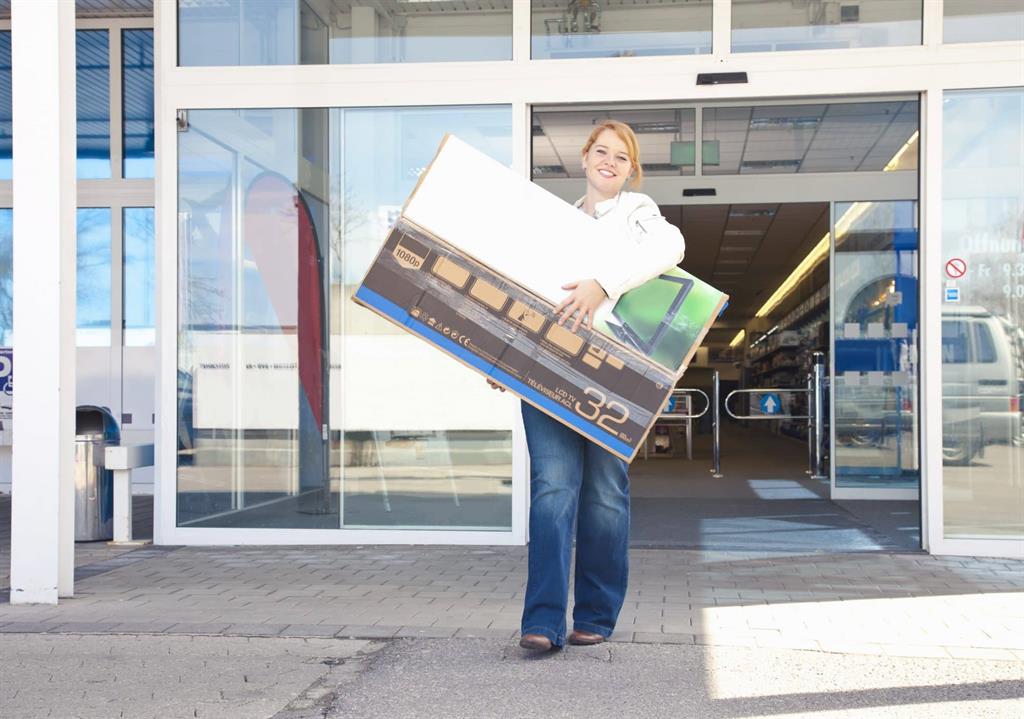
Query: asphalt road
479	679
105	676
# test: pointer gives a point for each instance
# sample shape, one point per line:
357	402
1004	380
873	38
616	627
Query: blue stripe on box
389	308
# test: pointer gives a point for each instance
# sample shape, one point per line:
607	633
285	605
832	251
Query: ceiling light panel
788	116
775	165
752	212
428	6
784	123
548	171
656	127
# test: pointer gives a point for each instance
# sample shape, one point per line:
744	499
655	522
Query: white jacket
655	244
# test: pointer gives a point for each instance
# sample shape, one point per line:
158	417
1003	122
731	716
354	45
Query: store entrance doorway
848	308
820	262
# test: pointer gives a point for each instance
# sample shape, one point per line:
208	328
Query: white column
930	321
721	31
522	32
365	31
165	18
43	92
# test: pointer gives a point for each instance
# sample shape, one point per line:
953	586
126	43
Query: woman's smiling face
607	164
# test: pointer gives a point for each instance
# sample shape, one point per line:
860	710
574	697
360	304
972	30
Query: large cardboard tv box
475	266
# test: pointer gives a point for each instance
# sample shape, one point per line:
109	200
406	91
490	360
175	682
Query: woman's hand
586	297
495	385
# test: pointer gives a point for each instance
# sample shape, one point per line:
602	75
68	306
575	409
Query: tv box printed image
595	383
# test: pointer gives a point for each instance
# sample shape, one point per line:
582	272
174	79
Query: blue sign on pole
6	386
7	370
771	403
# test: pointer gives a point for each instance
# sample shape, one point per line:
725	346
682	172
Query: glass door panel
419	441
875	331
297	408
252	370
983	314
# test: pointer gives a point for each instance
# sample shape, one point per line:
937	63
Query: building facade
278	124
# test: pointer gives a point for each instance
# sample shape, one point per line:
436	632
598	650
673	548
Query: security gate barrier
815	393
681	397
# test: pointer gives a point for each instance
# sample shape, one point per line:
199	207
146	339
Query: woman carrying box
572	480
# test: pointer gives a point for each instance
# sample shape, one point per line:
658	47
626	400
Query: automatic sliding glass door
875	330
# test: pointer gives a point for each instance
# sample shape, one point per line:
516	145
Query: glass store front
295	409
983	313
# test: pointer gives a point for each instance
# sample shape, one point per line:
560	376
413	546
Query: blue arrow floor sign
771	403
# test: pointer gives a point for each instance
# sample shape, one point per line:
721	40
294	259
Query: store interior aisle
764	501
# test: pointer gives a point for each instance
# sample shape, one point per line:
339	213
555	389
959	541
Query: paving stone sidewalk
172	677
886	604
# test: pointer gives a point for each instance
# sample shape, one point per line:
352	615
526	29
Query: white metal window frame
927	70
115	192
132	191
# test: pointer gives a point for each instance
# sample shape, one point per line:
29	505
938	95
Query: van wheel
958	456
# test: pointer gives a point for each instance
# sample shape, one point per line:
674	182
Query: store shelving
784	357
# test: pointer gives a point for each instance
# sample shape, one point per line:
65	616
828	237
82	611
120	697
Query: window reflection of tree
6	278
204	290
139	270
93	268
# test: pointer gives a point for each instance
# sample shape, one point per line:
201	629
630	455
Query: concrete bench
122	459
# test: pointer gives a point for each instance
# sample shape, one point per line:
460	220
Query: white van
983	369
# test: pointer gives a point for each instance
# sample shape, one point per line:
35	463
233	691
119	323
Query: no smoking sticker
956	268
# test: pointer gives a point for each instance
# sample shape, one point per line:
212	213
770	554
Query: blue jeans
569	472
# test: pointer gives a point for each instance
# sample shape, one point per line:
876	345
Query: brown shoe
580	637
536	642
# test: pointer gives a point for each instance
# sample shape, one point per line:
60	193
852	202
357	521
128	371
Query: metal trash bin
95	428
